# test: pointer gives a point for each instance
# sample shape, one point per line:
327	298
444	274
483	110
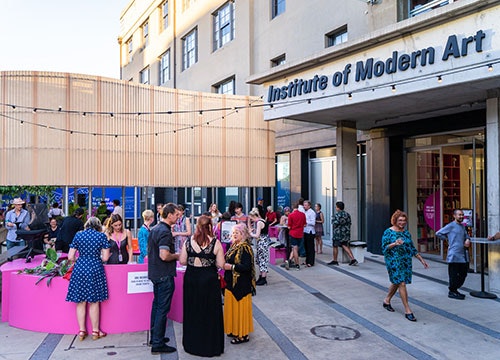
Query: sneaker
162	349
333	262
353	262
456	295
297	267
287	264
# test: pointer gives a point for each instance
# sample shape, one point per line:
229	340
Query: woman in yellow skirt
240	286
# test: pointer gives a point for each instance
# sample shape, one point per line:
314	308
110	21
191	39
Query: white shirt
118	210
310	221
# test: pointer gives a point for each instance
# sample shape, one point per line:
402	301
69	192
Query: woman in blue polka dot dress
88	280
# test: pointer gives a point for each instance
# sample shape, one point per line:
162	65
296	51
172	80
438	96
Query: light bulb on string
490	67
440	79
349	96
393	88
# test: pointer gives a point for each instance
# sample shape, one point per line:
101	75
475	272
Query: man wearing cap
69	227
17	218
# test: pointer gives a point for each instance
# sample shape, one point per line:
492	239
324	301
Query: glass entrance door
442	177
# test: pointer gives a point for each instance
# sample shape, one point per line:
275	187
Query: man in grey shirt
458	257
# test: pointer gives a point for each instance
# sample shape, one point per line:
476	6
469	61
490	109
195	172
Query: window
190	49
145	33
277	7
164	15
144	76
418	7
225	87
165	67
130	47
223	25
280	60
336	37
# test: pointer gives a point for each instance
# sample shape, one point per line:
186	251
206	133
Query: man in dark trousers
161	271
458	256
69	227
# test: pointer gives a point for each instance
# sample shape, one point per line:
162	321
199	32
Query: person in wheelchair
16	219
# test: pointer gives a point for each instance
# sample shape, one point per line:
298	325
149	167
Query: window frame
145	33
164	15
219	36
278	7
130	48
142	78
164	70
278	60
230	80
332	36
187	52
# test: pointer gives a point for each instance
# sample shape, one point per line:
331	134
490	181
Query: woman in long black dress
203	327
88	280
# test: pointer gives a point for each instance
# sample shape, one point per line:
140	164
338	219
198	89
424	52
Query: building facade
381	104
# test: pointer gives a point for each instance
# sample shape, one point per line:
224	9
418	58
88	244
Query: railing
420	9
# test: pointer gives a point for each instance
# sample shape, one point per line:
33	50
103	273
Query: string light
393	88
490	67
34	110
60	108
349	96
440	79
308	101
84	114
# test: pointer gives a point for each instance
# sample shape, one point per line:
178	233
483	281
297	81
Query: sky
61	35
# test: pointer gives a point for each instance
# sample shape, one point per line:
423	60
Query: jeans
457	272
11	244
163	290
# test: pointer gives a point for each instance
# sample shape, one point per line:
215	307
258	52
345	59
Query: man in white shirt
309	233
117	208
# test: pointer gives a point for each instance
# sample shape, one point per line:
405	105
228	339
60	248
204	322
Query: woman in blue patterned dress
398	250
88	280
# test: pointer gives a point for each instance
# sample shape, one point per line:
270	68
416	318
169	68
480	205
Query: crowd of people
213	265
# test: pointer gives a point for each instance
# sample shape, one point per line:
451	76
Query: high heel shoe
261	281
82	334
98	334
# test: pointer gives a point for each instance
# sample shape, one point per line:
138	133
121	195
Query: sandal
388	307
82	334
98	334
240	340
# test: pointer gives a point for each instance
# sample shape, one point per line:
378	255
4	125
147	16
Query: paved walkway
322	312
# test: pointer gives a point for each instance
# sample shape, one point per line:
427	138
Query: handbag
67	276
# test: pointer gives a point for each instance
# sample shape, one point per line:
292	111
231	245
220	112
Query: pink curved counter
44	308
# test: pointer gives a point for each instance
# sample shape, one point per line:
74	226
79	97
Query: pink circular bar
44	308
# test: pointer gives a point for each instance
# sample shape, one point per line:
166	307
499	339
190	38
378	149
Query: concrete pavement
321	312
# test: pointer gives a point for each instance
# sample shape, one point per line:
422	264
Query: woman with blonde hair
240	286
143	234
120	240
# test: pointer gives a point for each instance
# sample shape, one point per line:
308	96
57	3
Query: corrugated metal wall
116	133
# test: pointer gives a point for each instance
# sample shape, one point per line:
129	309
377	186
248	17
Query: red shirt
296	223
270	216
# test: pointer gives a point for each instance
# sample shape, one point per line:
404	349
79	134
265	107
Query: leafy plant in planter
50	267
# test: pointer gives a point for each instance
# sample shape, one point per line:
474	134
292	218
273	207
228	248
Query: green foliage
50	267
16	191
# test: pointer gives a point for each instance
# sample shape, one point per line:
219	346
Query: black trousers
457	272
309	247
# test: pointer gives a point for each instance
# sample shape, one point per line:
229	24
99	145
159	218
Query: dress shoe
162	349
333	262
165	340
388	307
456	295
410	317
